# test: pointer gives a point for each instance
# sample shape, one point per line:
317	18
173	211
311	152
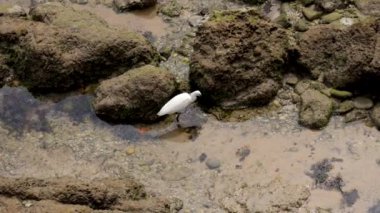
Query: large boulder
316	109
344	56
238	59
135	96
64	48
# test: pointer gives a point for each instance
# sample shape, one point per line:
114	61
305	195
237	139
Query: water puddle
143	21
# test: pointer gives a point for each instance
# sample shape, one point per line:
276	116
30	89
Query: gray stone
212	163
363	103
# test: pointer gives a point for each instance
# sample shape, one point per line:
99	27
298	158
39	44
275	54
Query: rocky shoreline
248	58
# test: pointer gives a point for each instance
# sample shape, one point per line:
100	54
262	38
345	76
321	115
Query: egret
179	103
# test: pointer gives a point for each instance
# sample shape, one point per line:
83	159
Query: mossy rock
238	59
316	109
345	107
63	48
135	96
171	9
343	56
311	13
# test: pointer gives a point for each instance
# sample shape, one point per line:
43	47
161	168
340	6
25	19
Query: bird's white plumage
178	103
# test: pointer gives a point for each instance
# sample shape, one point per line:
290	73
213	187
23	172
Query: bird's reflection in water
188	127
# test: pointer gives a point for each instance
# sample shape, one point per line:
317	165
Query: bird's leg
177	119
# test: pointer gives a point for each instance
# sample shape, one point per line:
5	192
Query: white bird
179	103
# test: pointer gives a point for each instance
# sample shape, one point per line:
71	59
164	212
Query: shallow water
65	138
144	21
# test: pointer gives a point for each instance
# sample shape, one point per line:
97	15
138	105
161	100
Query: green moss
340	93
253	19
222	16
171	9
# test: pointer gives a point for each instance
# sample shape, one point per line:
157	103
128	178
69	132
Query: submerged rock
135	96
128	5
343	56
363	103
64	48
375	115
316	109
238	59
72	195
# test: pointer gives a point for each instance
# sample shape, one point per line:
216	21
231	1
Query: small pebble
213	163
130	151
202	157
